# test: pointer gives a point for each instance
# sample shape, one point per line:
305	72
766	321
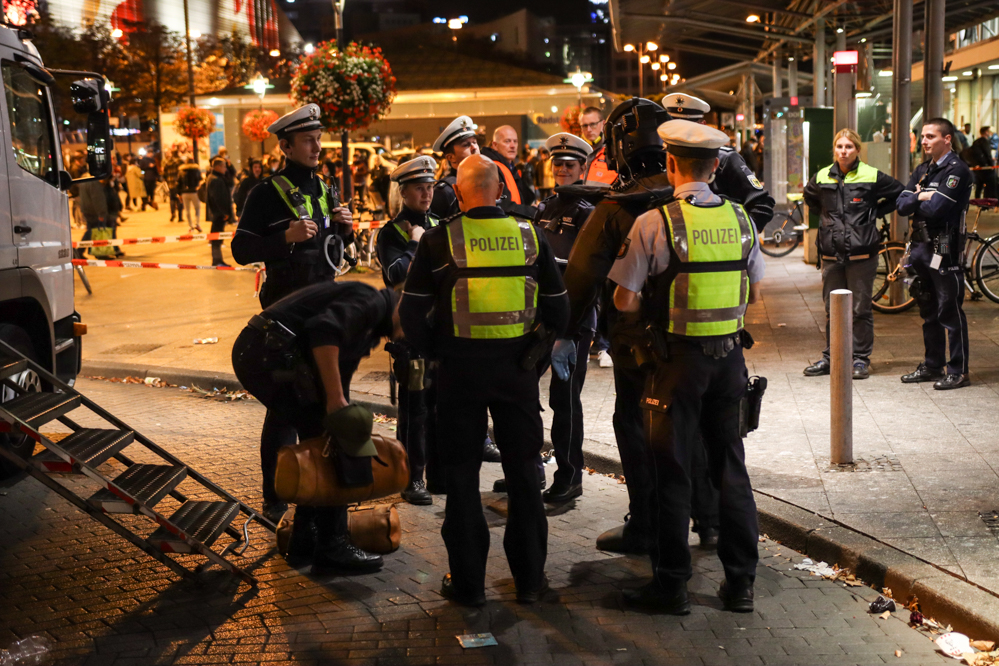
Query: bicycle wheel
890	273
373	261
986	268
779	238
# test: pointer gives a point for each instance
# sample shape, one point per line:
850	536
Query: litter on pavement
476	640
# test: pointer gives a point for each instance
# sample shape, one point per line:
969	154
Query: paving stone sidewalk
105	603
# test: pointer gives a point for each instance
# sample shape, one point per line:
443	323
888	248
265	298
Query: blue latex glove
563	355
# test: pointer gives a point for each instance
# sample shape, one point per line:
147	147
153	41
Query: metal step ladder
192	527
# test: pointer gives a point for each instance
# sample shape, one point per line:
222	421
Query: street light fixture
643	58
753	18
579	79
671	65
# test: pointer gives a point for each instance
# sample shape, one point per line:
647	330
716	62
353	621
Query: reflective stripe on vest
431	223
491	306
286	190
597	172
710	293
511	184
864	173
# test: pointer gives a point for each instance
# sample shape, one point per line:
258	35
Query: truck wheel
20	444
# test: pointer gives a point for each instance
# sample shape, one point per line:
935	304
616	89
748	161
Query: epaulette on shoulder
450	219
726	149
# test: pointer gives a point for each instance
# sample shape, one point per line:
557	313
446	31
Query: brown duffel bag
305	476
375	529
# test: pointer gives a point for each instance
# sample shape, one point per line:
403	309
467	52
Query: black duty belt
277	334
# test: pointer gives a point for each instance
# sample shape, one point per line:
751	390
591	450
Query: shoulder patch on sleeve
624	248
755	182
952	181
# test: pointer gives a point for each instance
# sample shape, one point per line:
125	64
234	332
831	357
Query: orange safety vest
511	184
597	171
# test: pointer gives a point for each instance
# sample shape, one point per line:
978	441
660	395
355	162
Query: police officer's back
288	218
937	199
488	279
701	258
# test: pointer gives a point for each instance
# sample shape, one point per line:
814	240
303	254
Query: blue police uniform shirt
950	181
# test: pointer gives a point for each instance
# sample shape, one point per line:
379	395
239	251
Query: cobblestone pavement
104	603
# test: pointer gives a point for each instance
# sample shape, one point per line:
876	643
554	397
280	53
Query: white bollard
841	376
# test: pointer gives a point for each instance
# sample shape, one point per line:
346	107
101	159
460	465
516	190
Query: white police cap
684	106
684	138
567	145
460	127
304	119
418	170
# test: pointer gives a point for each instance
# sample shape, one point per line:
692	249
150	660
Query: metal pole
901	101
777	77
819	66
841	376
933	58
792	78
190	71
345	174
641	74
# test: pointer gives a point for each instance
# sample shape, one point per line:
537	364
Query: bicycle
980	264
784	231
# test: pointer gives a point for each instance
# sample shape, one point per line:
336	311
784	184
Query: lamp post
345	175
190	71
643	58
579	79
260	85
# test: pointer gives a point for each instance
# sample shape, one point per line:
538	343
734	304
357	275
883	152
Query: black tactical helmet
631	129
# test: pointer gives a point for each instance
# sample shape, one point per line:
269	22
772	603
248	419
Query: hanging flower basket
569	122
353	88
194	123
256	122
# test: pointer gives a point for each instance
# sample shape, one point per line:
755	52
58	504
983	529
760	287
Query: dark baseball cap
350	427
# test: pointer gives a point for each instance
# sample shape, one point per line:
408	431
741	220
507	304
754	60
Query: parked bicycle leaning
850	196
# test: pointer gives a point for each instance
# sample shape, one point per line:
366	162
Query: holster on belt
285	360
412	361
749	406
542	341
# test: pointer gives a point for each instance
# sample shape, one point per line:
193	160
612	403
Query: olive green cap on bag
351	427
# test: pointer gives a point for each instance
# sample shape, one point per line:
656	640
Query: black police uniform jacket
736	181
445	203
425	310
944	212
849	211
260	235
560	217
394	248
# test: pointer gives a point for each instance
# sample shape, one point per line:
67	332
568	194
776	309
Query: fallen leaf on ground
984	646
885	615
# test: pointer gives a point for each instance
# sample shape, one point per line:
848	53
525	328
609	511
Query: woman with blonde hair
850	196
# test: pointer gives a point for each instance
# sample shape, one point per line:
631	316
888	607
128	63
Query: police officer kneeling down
297	358
702	260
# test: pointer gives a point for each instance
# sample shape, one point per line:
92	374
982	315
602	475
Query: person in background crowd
748	153
254	174
329	174
230	170
218	206
150	176
525	169
759	157
135	188
171	166
114	211
985	176
188	182
850	196
596	172
879	134
937	198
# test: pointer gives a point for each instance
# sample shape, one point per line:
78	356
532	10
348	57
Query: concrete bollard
841	376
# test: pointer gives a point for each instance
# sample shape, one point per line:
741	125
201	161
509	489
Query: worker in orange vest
595	171
517	194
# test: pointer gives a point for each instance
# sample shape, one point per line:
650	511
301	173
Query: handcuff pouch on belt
749	406
416	365
285	360
542	341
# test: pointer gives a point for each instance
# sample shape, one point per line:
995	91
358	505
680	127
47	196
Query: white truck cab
37	314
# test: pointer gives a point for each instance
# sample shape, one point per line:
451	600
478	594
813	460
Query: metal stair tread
10	366
201	521
39	408
93	446
146	484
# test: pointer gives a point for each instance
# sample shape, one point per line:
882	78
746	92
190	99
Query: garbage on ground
27	651
206	341
954	644
820	569
882	605
155	382
220	394
476	640
981	658
984	646
915	618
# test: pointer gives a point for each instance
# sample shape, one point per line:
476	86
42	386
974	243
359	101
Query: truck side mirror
99	144
86	95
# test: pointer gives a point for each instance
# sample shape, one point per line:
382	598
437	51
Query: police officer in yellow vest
697	262
294	224
477	289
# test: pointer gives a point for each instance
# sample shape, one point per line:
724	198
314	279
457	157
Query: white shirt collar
944	158
700	191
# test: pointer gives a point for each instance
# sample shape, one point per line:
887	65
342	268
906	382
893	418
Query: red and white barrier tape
116	242
152	264
370	225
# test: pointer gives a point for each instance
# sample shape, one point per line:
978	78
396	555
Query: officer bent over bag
297	357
